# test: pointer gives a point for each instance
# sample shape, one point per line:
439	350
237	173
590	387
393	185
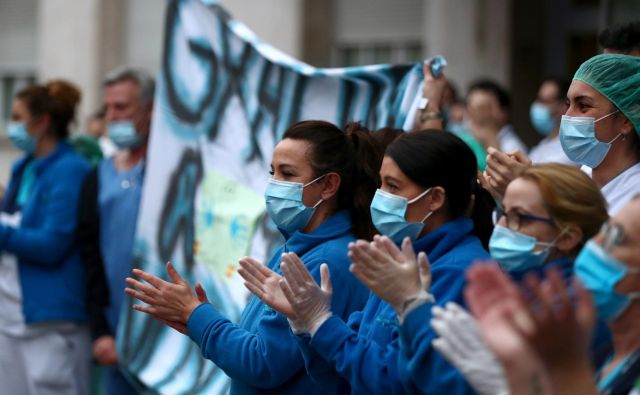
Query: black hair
385	136
495	89
434	158
624	38
354	156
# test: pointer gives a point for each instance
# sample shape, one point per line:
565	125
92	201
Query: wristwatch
428	115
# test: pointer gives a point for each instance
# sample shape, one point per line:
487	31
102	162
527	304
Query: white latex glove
310	303
395	276
461	343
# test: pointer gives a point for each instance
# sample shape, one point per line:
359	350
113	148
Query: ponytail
483	205
354	156
367	159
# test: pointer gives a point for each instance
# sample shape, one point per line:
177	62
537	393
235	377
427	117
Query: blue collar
444	238
41	163
338	225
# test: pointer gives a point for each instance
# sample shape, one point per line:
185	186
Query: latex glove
396	276
310	303
461	343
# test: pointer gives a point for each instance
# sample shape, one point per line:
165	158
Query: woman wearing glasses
547	215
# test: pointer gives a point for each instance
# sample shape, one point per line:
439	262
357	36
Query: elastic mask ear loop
616	138
552	243
420	196
606	116
311	182
426	217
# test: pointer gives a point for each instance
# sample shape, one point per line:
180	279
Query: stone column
79	40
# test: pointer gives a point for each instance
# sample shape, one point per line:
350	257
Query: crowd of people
448	259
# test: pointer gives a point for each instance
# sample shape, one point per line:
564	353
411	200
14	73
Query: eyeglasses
515	219
612	236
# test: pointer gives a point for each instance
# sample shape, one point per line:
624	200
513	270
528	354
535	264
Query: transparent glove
311	304
395	276
460	342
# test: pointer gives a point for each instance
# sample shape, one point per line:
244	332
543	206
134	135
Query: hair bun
64	93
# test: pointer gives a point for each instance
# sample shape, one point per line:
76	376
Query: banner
223	101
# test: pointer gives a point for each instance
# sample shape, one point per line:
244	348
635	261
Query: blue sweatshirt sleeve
269	356
369	367
49	242
265	359
422	368
316	365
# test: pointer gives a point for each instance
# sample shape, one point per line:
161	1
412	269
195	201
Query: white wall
472	35
143	33
367	21
277	22
18	21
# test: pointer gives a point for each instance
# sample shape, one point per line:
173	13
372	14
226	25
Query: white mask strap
615	138
312	181
420	196
608	115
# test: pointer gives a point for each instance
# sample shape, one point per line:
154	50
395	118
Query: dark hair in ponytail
354	156
434	158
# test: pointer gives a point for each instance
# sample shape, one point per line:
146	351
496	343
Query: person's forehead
126	89
581	89
524	193
548	90
291	151
481	98
629	219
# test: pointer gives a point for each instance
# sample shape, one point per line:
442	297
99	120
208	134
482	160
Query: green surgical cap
617	77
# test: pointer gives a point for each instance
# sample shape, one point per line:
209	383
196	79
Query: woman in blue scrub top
322	183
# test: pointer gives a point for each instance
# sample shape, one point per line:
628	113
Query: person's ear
330	185
570	239
437	199
626	127
41	125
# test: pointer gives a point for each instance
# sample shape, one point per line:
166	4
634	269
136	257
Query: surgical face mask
541	118
124	134
388	215
285	207
514	251
599	273
456	127
17	132
579	142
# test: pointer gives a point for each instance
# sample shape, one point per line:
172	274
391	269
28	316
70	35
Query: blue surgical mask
514	251
285	207
456	127
388	216
124	134
599	272
579	141
17	132
541	118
